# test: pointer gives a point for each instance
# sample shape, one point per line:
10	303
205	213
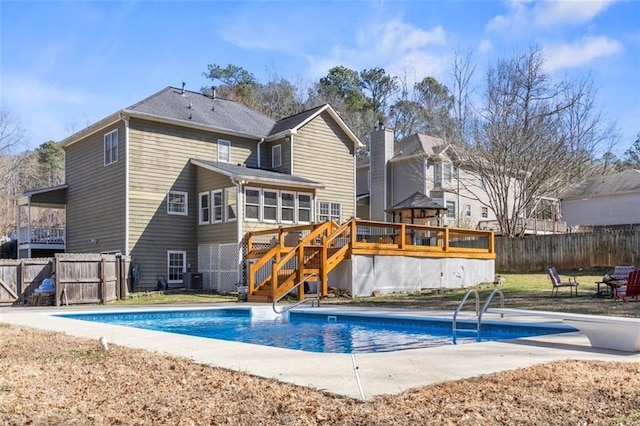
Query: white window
252	204
485	212
328	211
276	156
451	209
230	202
111	147
287	207
224	151
468	210
270	206
204	207
304	208
216	212
177	203
176	265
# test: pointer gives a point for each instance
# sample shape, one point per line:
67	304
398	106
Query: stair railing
276	292
315	299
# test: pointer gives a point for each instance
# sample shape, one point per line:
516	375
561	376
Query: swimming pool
327	332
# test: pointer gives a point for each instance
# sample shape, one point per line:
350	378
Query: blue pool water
319	332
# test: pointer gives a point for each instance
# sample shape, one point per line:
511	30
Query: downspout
239	202
458	203
29	228
126	185
291	153
259	162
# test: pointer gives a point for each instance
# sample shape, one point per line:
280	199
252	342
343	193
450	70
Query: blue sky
67	64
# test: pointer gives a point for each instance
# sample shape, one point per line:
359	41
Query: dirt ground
55	379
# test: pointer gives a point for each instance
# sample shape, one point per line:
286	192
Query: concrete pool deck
360	376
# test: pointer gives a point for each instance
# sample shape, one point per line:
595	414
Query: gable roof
197	110
251	175
419	144
601	186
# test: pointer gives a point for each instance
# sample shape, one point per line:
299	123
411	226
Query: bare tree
12	142
462	71
521	148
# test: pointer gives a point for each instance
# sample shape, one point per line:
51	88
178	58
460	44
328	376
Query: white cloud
525	16
30	99
485	46
393	45
580	53
551	13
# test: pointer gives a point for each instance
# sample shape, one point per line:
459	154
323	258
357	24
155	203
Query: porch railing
41	235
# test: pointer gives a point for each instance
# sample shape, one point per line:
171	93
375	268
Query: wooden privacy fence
568	251
79	278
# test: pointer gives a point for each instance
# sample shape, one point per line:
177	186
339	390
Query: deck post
324	277
299	272
274	279
403	236
445	243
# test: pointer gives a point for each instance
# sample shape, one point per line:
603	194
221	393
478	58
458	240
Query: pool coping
360	376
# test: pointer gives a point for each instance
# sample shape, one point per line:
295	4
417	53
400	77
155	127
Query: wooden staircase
290	265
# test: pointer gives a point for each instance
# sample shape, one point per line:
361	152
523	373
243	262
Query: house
603	200
423	164
452	194
178	179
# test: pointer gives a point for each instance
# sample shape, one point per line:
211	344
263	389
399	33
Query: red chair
632	289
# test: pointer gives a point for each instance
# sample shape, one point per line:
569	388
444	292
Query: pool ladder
479	311
314	299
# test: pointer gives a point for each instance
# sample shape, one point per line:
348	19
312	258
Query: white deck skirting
605	332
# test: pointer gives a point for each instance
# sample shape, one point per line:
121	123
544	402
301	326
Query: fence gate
9	281
218	264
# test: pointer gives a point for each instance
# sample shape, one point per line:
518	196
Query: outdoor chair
556	282
632	289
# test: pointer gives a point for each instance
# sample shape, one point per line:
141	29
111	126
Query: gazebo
418	209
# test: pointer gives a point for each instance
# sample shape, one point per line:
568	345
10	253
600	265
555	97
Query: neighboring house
603	200
420	163
178	179
427	165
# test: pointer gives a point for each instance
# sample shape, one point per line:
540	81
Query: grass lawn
521	291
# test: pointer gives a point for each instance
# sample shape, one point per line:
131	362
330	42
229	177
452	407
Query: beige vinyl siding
285	147
362	180
96	195
159	161
324	153
407	177
215	233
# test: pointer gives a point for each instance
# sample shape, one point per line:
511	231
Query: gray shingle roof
294	121
201	109
600	186
419	144
249	173
417	201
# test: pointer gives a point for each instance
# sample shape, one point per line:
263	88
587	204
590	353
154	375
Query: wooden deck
284	256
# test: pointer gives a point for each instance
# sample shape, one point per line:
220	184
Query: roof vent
183	84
